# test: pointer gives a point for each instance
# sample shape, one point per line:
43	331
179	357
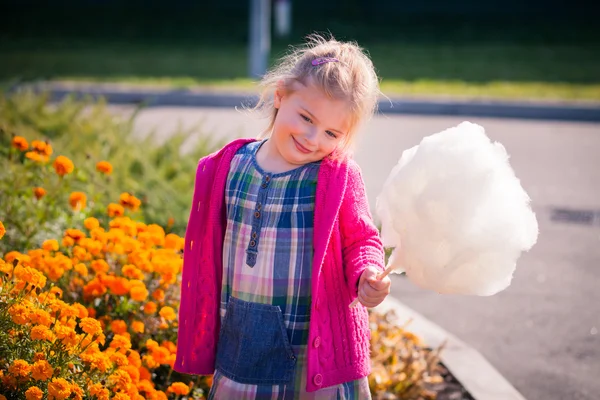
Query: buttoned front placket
257	218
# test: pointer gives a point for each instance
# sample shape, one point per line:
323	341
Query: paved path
543	332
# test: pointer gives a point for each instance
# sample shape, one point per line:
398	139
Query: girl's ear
279	93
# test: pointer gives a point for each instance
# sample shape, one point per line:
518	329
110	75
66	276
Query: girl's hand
371	290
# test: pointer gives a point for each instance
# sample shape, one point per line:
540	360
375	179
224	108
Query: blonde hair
352	78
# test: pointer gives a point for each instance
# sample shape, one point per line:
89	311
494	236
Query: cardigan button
317	342
318	379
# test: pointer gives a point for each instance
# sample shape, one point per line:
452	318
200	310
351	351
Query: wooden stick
385	273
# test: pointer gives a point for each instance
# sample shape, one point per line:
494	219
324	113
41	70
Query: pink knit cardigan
345	243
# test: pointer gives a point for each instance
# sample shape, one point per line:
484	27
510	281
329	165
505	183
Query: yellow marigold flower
77	201
158	295
115	210
82	312
36	157
151	344
120	379
41	147
150	362
39	192
129	201
20	143
63	166
50	245
19	368
81	269
168	313
41	317
140	293
30	276
120	342
138	326
97	390
2	230
59	389
19	314
6	268
118	326
91	223
34	393
76	392
119	359
105	167
90	326
179	388
150	308
42	370
41	332
66	334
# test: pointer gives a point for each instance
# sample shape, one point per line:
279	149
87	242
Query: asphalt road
543	332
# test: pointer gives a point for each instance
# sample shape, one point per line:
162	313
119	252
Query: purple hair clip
323	60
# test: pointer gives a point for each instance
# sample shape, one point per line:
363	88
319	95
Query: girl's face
309	125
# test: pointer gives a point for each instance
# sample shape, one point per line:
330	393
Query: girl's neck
269	159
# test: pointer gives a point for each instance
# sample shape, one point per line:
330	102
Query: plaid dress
267	259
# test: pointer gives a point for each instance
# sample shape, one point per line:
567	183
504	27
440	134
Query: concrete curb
126	94
471	369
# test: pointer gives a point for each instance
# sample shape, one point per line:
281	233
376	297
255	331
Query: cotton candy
456	214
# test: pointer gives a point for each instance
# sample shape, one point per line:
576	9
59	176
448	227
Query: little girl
280	241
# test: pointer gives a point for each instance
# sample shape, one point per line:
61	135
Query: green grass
553	60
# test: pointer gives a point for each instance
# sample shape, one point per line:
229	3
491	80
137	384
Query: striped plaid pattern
280	236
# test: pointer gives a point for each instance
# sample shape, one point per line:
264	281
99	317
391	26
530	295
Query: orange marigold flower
105	167
119	286
90	326
150	307
36	157
68	241
97	390
115	210
42	370
81	269
42	148
158	295
19	314
118	326
41	317
138	326
168	313
20	143
145	375
77	200
41	332
100	266
91	223
139	293
34	393
19	368
39	192
82	312
63	166
179	388
50	245
119	359
2	230
150	362
75	234
130	201
59	389
131	271
30	276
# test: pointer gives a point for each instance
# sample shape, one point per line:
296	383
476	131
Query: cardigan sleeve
361	244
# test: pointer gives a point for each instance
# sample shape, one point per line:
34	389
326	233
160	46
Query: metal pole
260	37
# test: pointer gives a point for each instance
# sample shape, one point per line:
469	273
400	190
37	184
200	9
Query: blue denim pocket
253	344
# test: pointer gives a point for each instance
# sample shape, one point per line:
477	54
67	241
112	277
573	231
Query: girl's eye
304	117
331	134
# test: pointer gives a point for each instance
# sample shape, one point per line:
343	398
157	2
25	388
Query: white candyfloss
456	214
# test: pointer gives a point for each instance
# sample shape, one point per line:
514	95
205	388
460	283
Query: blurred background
508	49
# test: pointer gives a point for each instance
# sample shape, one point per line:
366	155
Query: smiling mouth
300	147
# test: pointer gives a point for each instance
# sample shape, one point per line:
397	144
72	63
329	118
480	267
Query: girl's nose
311	135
